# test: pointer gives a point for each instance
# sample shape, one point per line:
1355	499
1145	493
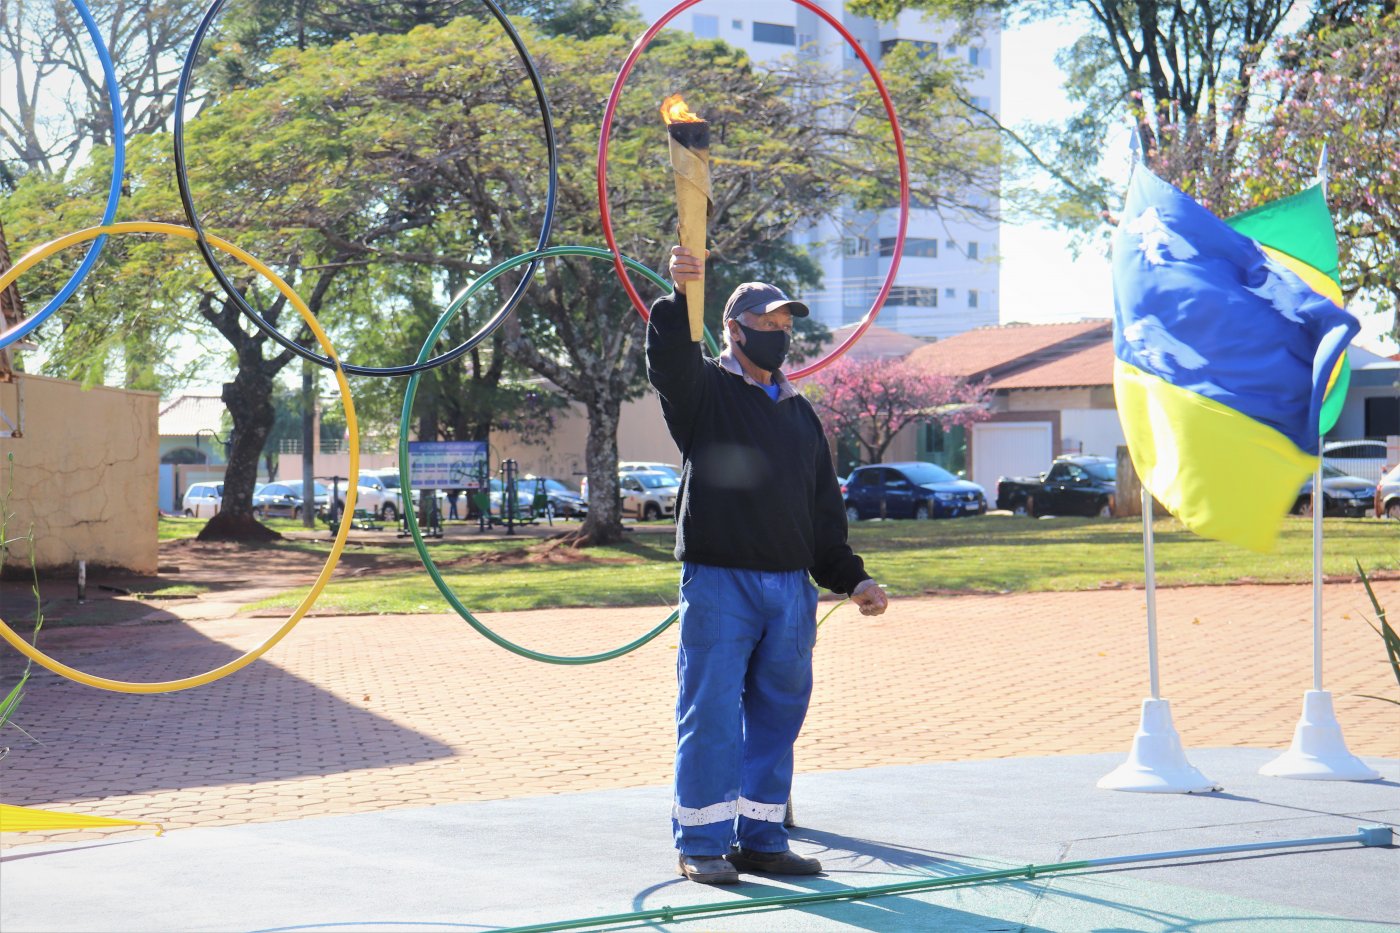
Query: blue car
910	490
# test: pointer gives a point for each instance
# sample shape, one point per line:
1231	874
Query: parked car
910	490
1342	494
1360	458
1077	485
632	466
389	478
376	497
286	499
1388	495
563	501
202	500
648	494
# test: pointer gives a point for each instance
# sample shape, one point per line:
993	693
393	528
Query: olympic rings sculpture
114	191
207	244
40	253
605	214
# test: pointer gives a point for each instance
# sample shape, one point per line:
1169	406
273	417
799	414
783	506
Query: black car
910	490
1342	494
1073	486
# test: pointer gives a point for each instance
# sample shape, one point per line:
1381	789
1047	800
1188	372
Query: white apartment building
948	276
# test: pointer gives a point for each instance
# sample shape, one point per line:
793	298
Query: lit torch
690	163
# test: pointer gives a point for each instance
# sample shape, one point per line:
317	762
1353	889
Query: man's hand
870	598
686	267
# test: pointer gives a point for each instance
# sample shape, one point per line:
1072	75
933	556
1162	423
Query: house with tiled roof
192	431
1051	393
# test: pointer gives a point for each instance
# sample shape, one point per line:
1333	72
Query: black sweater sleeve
675	367
837	567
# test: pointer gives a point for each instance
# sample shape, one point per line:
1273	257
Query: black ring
187	201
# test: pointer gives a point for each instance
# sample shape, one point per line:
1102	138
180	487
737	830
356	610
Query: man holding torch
759	519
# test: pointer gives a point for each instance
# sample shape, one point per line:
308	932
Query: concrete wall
641	435
85	473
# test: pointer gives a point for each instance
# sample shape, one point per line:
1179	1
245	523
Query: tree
1341	87
871	401
49	57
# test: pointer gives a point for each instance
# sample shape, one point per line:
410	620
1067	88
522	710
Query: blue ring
113	194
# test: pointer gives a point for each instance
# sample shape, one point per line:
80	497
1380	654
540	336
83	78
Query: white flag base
1318	752
1157	764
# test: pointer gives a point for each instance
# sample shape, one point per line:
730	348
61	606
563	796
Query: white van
202	500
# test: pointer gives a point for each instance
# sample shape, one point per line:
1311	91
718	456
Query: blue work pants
744	670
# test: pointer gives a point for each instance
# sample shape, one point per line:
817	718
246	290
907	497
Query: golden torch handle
692	174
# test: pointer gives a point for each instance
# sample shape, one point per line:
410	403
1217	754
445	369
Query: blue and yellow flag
1223	359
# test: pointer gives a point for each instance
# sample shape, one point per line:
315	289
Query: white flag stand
1318	752
1157	763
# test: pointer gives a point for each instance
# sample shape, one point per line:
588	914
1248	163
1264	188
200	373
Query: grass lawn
990	554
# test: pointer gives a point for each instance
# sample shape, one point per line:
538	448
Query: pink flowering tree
871	401
1340	86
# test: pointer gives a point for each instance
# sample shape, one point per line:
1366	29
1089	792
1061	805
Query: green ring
411	517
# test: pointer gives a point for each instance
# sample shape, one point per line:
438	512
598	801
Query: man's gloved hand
870	598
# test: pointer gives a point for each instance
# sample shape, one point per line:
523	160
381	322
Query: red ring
606	213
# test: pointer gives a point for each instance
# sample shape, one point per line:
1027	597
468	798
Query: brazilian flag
1227	337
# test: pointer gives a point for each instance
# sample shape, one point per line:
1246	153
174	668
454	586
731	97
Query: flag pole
1157	763
1317	575
1319	752
1150	566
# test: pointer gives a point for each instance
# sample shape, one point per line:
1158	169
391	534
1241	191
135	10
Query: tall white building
948	277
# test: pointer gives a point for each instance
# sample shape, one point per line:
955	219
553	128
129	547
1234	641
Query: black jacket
758	490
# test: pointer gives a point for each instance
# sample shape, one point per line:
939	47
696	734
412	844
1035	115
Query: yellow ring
352	427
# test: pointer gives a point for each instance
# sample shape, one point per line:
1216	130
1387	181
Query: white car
1360	458
632	466
648	494
202	500
377	498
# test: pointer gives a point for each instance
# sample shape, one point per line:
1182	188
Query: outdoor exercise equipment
1365	835
114	190
231	290
605	212
352	428
405	423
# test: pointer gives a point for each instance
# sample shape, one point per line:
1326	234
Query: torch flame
674	110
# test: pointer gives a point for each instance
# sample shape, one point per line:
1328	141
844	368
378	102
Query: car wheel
1305	507
1019	508
389	512
1105	510
1392	510
296	512
923	511
651	512
852	514
189	514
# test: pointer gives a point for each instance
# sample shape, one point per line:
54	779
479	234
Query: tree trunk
249	401
604	522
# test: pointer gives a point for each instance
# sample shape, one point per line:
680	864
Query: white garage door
1009	448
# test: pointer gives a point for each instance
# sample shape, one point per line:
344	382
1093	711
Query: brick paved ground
366	713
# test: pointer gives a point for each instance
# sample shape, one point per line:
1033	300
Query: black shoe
708	869
786	862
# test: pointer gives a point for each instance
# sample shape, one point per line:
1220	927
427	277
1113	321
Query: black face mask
766	349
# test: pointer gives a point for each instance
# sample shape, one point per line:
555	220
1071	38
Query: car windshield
1331	472
553	485
657	480
924	473
1103	470
390	480
295	487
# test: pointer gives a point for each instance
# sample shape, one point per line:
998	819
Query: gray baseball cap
760	298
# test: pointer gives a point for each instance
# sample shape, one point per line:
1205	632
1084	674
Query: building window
950	293
914	296
951	244
913	246
1382	416
736	23
972	249
704	26
982	103
978	57
775	33
856	246
972	297
921	48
